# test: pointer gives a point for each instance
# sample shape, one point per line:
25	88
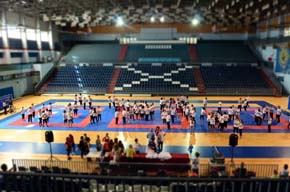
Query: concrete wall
155	34
269	51
43	68
21	86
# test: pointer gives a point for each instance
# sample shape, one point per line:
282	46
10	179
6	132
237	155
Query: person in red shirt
68	147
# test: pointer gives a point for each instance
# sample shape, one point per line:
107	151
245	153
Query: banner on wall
283	60
5	95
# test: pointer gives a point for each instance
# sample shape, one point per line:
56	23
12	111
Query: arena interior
144	95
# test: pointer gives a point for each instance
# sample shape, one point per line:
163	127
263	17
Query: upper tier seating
224	51
91	79
177	51
95	53
234	80
165	79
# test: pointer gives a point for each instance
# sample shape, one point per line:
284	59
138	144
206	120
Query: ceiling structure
84	13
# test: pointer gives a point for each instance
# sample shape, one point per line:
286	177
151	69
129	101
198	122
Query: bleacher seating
224	52
178	51
87	78
150	79
235	80
94	53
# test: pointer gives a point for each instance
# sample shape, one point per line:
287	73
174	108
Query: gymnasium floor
20	140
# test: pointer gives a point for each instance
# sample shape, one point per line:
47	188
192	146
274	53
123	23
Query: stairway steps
122	53
193	53
114	79
199	81
275	90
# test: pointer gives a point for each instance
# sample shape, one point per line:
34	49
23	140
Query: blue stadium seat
179	51
235	80
224	51
93	53
150	79
73	78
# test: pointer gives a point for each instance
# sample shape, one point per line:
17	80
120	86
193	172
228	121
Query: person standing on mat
76	99
220	107
231	113
33	110
278	114
117	113
90	101
269	124
22	112
99	110
29	112
240	104
191	124
44	117
241	127
204	102
5	106
245	105
124	115
80	99
288	123
85	103
168	119
70	118
236	124
271	111
39	114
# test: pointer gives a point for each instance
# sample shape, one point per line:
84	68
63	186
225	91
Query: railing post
269	186
287	186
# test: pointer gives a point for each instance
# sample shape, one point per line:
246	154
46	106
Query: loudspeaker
233	141
49	136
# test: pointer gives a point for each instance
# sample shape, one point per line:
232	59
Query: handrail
44	79
141	178
261	170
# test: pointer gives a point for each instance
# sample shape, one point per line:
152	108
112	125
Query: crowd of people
176	109
106	146
171	111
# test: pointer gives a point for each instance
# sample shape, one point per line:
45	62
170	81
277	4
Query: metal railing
73	166
44	79
133	168
40	182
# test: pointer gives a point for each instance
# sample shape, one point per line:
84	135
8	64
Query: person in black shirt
241	171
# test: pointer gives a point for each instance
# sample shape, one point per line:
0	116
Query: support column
51	45
6	56
38	39
25	56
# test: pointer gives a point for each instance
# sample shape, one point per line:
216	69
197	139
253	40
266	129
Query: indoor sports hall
155	95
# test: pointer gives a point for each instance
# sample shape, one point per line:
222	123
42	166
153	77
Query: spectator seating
224	51
73	78
93	53
162	79
235	80
177	51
